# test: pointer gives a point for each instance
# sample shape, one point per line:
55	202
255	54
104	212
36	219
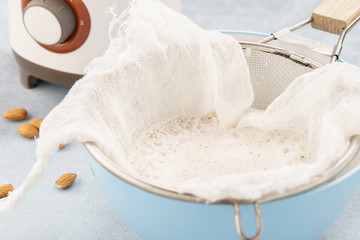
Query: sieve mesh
272	71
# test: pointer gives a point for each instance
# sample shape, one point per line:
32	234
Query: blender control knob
49	22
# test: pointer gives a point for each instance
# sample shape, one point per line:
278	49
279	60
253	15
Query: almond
5	189
28	130
66	180
36	122
15	114
61	146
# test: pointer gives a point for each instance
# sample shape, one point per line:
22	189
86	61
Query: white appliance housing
35	23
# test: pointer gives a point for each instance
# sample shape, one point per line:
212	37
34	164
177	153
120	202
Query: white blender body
53	40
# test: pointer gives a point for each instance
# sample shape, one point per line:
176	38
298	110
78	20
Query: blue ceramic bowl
305	215
151	216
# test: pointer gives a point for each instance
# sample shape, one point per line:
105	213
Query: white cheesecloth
158	65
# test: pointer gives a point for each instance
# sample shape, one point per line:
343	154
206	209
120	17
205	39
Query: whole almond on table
28	130
61	146
36	122
66	180
5	189
15	114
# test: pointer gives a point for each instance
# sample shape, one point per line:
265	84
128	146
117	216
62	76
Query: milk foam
195	146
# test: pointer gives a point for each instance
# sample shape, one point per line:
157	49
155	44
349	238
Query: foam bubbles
195	146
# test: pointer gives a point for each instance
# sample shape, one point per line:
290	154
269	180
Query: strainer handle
259	223
337	17
333	16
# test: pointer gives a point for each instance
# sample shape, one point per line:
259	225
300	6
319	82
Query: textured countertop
82	211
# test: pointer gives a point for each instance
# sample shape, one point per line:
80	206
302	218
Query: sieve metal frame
335	54
115	170
291	55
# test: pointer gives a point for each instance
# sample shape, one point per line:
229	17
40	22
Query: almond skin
36	122
28	130
66	180
61	146
15	114
5	189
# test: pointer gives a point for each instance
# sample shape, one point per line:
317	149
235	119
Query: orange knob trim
82	30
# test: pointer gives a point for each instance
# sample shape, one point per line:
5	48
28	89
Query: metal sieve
274	62
272	69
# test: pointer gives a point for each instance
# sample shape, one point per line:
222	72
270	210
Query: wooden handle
334	16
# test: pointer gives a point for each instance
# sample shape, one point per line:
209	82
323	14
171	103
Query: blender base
30	73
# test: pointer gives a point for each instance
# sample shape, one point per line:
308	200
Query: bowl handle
258	222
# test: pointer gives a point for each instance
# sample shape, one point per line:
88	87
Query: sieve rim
291	55
320	181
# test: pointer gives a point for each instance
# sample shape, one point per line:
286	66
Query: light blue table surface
82	211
